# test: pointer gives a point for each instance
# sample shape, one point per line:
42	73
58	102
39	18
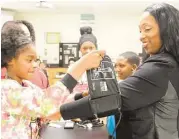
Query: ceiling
81	6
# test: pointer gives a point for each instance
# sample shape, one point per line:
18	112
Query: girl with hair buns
87	41
38	77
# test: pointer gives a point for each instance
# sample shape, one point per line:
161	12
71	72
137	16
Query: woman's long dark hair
167	17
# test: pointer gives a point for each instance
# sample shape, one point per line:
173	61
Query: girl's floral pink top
21	103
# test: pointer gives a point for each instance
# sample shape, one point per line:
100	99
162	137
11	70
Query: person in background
125	65
43	67
87	43
3	73
150	97
23	102
39	78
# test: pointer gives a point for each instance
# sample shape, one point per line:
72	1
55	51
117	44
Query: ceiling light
44	4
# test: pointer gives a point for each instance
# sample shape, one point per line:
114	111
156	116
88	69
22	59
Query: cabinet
68	51
55	74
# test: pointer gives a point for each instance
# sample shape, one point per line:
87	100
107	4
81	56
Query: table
76	133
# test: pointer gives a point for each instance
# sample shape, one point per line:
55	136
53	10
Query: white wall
67	25
6	16
115	32
118	33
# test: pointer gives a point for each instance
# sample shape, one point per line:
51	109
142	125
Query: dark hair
26	23
30	28
6	25
87	35
85	30
167	18
13	39
131	57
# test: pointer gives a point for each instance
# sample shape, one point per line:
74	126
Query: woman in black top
150	97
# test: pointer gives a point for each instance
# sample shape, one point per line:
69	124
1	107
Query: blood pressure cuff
105	106
104	95
103	89
77	109
87	108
